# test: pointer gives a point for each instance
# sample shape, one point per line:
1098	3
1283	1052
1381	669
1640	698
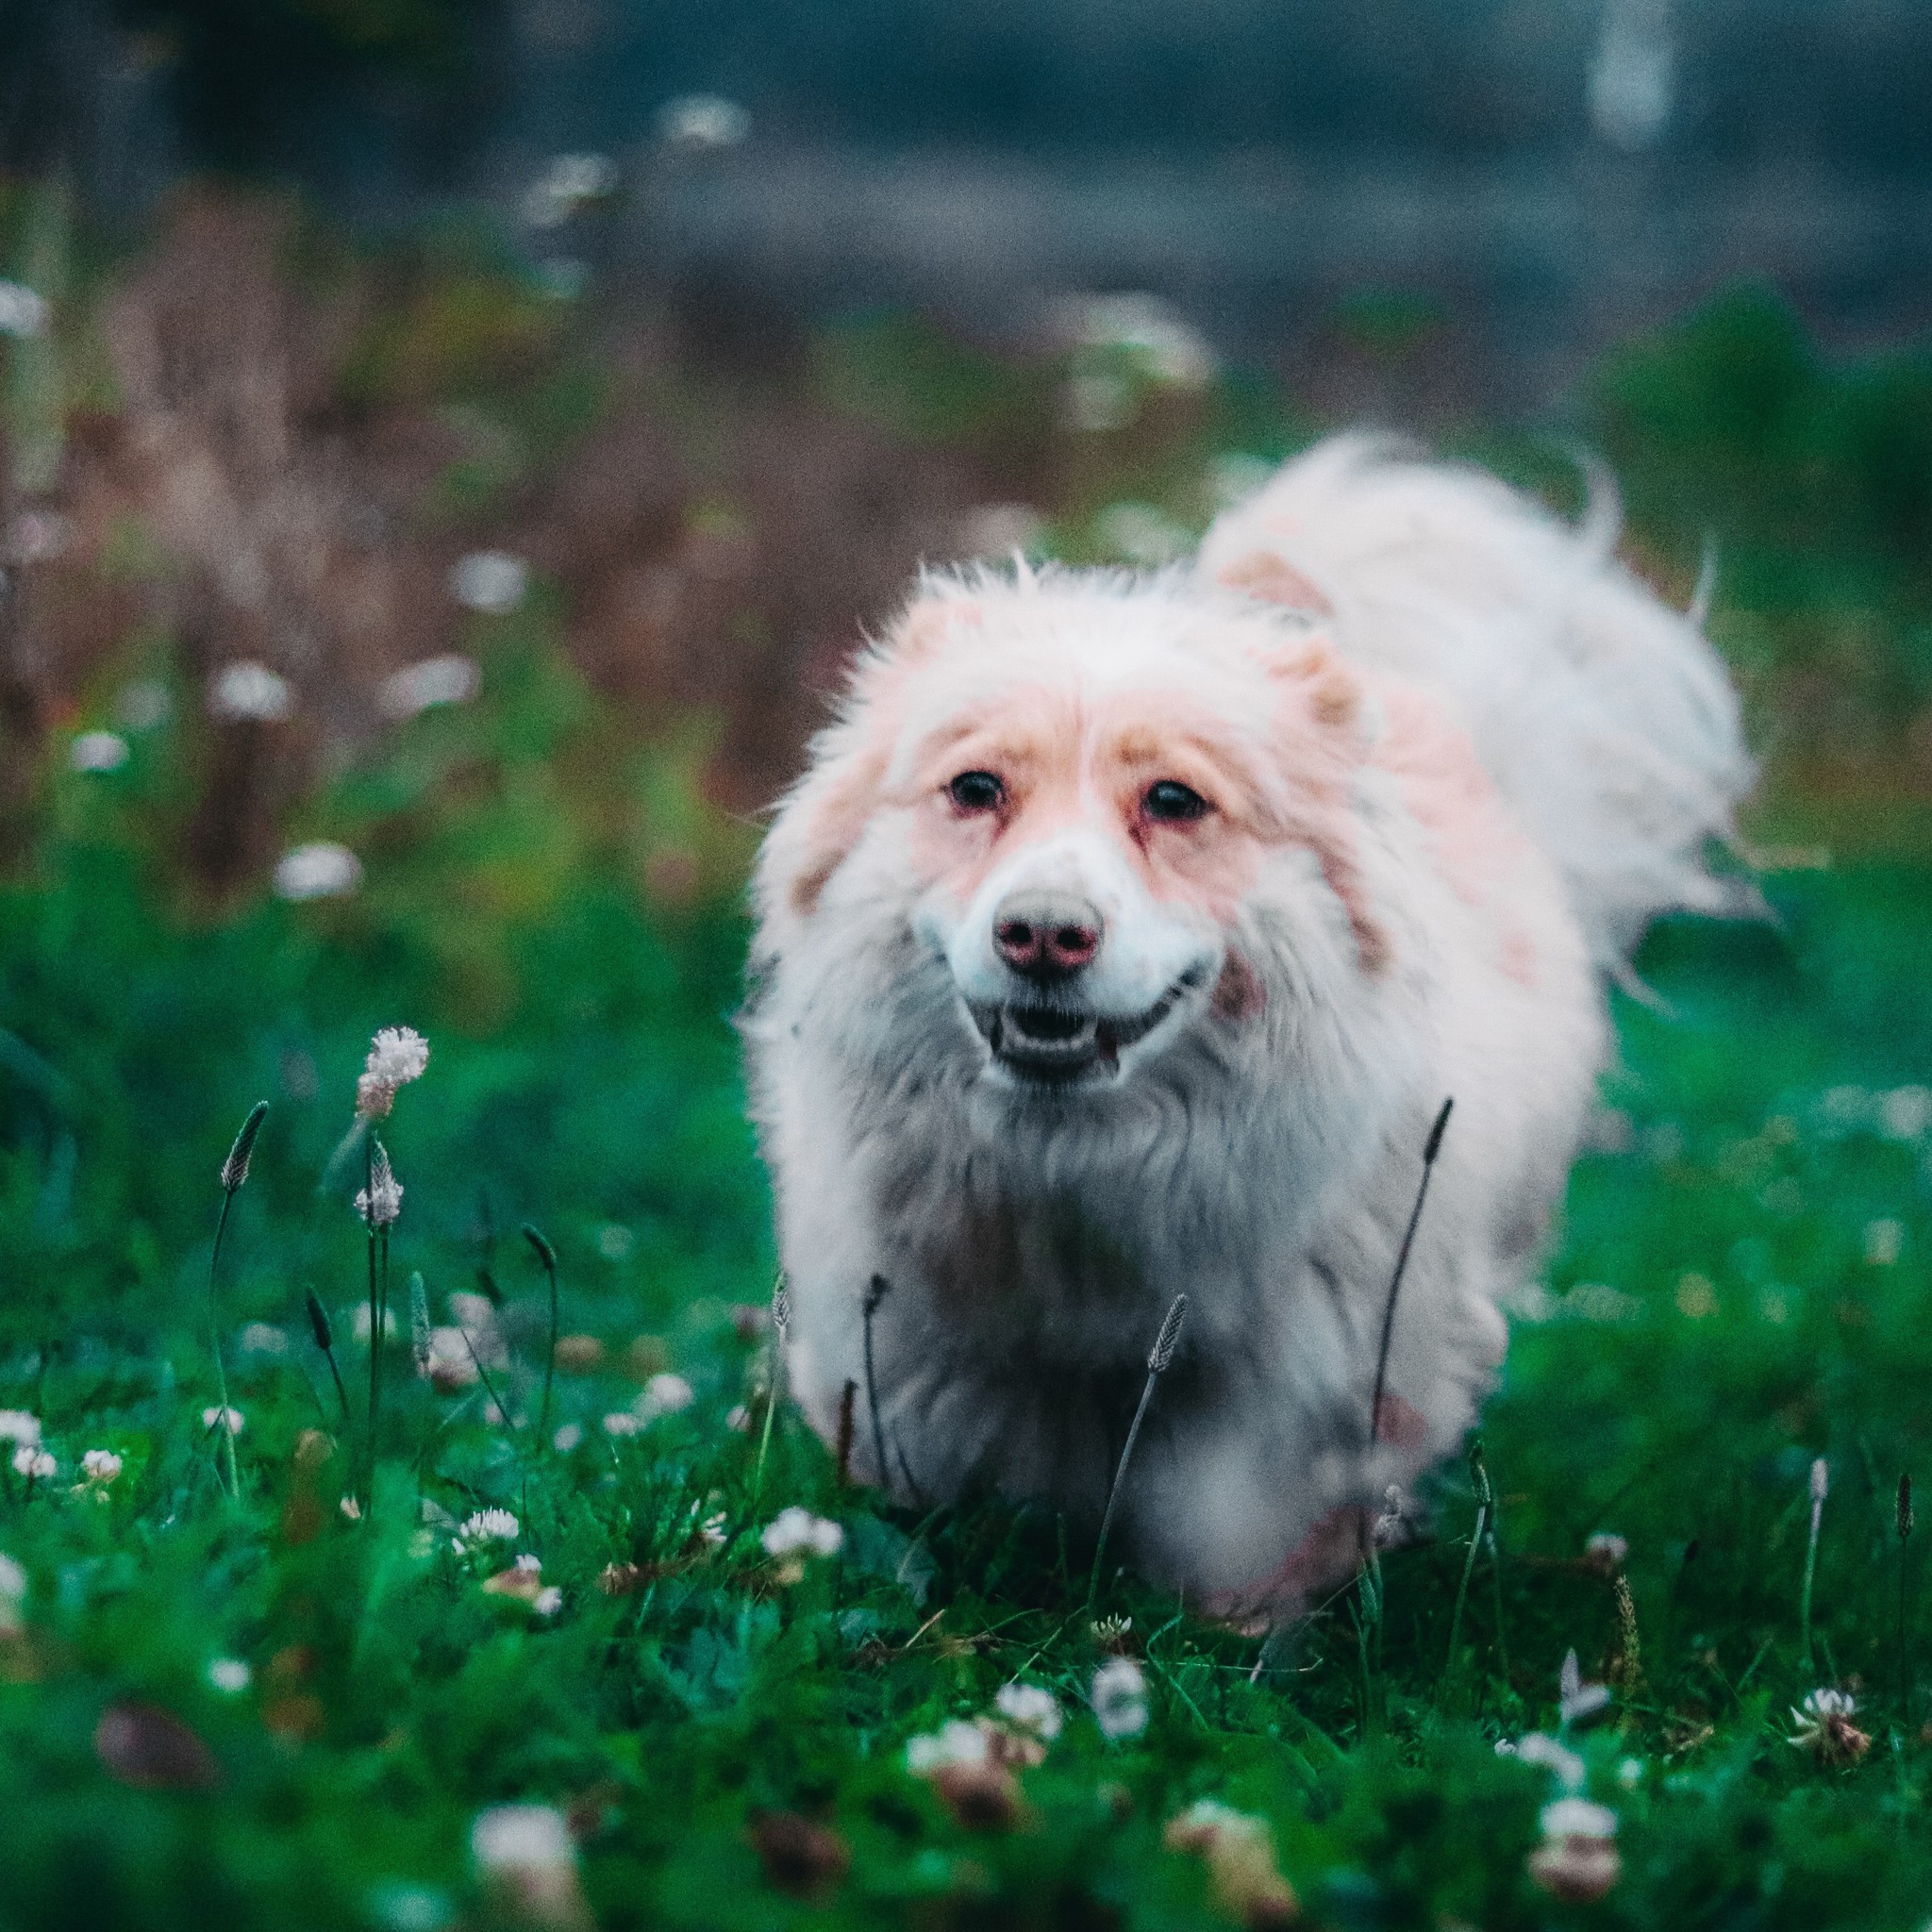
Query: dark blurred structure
1544	174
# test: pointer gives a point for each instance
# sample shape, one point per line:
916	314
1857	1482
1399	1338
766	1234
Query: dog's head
1072	791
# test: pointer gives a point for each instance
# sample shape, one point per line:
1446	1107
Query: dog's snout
1046	935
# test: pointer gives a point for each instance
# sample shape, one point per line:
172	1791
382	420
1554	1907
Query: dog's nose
1046	935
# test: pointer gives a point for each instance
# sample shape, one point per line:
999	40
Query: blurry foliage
241	68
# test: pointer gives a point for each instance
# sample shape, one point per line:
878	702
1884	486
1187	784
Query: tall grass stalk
323	1330
1820	1486
234	1177
878	1288
1431	1148
1905	1523
781	1326
1159	1356
547	1255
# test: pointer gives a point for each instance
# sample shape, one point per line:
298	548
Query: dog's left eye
1170	801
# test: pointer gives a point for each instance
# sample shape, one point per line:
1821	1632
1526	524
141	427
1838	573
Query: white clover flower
621	1422
230	1419
34	1464
738	1417
1826	1729
715	1530
1630	1773
1541	1749
1119	1697
547	1601
263	1338
397	1054
449	680
491	1527
320	870
664	1394
567	1438
524	1854
1578	1860
244	692
1029	1708
21	312
12	1581
960	1742
796	1532
17	1426
97	751
100	1465
1606	1552
492	581
1163	345
702	124
230	1675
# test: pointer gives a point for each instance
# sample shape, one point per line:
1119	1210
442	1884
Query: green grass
1713	1319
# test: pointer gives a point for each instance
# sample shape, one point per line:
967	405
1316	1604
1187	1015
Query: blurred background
449	447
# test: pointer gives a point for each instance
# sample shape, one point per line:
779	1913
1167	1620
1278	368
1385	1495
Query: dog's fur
1456	758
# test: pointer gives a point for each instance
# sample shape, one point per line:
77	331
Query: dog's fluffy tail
1602	715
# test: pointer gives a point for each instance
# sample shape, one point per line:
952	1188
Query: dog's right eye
977	791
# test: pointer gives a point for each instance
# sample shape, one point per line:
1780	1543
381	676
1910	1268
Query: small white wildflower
451	1364
525	1855
21	312
100	1465
1630	1773
738	1417
960	1742
702	124
615	1240
620	1421
244	692
263	1338
1884	1242
1906	1113
664	1394
397	1054
796	1531
1578	1818
715	1530
12	1581
567	184
1119	1697
1578	1860
1163	345
98	751
1539	1748
491	1526
17	1426
230	1675
450	680
1029	1708
230	1419
492	581
353	1510
1606	1552
320	870
1826	1729
34	1464
567	1438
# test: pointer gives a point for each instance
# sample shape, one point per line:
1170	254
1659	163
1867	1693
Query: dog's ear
930	624
820	822
1269	577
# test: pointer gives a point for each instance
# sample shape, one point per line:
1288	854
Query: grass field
298	1687
255	1710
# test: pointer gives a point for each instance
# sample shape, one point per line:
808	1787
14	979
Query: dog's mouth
1054	1044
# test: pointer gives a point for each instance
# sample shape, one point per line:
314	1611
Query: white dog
1125	937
